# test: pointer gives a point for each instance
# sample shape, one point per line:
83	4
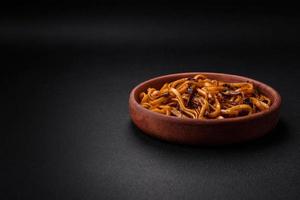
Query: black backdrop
67	72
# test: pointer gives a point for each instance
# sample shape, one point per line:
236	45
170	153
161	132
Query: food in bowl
200	97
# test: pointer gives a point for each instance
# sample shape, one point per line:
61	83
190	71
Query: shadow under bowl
204	131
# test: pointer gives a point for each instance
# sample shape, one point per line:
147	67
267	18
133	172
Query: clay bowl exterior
206	131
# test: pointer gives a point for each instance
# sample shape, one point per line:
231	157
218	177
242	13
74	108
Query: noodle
203	98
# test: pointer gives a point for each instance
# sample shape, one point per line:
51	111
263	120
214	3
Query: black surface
66	129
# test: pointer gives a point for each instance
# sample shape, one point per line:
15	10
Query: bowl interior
159	81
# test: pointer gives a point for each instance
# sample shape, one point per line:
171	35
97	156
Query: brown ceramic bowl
206	131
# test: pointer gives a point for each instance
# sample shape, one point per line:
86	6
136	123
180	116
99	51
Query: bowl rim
274	107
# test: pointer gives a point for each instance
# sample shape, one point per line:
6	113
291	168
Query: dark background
67	71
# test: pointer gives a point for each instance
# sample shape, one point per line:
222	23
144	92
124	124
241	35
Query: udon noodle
199	97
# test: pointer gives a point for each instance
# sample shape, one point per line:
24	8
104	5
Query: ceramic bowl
204	131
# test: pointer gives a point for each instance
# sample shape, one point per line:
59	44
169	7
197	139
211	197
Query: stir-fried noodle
203	98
